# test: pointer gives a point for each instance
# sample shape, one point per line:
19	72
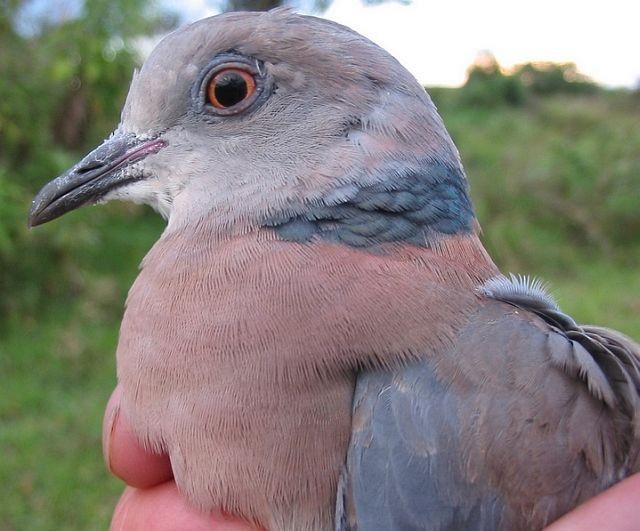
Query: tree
551	78
264	5
69	66
488	85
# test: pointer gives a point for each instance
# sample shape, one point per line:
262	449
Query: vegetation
488	85
554	166
265	5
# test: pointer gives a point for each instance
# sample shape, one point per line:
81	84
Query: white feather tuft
519	286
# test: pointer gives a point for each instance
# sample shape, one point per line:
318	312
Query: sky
438	40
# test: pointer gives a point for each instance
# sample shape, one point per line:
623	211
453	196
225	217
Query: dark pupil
230	89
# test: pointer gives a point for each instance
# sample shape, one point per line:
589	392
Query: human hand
151	501
615	509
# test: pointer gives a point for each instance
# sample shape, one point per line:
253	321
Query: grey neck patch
416	207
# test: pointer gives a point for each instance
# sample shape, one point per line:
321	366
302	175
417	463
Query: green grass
556	185
601	293
51	410
57	370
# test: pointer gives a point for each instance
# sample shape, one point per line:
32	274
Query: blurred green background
553	161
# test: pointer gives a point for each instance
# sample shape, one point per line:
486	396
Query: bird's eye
230	87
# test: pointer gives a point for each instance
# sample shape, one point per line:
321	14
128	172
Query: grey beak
104	169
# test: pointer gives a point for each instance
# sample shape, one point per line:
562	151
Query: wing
404	470
527	416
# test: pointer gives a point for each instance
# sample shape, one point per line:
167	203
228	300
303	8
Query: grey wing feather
528	415
405	471
611	361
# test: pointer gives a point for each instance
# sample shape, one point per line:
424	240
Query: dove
319	339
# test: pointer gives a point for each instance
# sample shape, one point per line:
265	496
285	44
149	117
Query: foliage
265	5
66	100
553	78
489	85
249	5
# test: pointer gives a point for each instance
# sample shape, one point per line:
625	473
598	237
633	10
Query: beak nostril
90	166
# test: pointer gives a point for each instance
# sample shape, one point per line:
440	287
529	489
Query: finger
162	508
616	509
124	456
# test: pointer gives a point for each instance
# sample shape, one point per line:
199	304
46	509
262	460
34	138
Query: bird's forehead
316	52
275	36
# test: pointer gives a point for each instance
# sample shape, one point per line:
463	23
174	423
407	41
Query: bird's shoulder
526	415
606	360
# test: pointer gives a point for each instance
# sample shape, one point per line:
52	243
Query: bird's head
281	120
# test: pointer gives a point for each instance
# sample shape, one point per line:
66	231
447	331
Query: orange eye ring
230	87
